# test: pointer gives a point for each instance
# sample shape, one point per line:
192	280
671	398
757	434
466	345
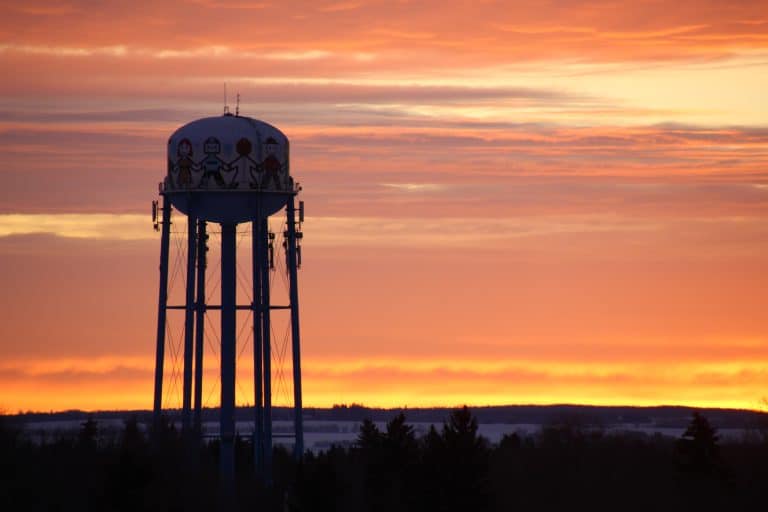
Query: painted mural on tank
255	162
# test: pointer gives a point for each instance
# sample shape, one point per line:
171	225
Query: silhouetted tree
510	443
9	434
316	484
133	438
698	446
400	462
503	466
131	473
400	436
458	462
389	463
370	437
433	453
89	431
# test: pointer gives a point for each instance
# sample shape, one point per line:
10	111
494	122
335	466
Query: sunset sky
507	202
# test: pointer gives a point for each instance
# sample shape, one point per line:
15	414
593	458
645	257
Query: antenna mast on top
226	107
237	105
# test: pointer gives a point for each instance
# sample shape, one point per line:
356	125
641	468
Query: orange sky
508	202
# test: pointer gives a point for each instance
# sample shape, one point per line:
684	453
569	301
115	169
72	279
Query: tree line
567	465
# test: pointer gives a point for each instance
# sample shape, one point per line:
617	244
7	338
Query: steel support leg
298	422
189	327
162	302
228	354
257	246
202	247
266	340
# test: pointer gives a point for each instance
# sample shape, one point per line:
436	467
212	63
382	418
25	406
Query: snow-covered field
320	435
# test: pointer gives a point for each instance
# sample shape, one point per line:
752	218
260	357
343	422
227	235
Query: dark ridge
659	416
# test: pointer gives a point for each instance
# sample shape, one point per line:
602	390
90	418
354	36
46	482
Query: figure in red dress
184	164
271	165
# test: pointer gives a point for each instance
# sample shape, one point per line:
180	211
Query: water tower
230	170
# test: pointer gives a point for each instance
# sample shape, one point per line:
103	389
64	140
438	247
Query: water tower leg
266	340
298	421
257	246
202	247
161	311
228	354
189	326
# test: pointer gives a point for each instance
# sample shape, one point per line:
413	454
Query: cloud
340	6
229	4
55	8
672	171
298	56
512	376
79	375
426	232
70	117
416	187
67	51
426	29
393	383
98	226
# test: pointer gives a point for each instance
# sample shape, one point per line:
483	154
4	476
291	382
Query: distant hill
659	416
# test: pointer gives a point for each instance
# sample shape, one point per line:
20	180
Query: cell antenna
226	106
237	105
155	223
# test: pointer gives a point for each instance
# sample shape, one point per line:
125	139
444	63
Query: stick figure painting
272	167
244	148
228	153
184	164
212	165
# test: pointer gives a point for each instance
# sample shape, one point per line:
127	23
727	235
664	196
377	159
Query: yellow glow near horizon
405	383
139	398
330	231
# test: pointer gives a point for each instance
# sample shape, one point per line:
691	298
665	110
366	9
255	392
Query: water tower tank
228	169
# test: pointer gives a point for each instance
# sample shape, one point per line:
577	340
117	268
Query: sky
507	202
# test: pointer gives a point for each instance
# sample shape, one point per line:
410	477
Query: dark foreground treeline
567	466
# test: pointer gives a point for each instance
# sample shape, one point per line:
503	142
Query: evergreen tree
370	437
698	446
400	441
460	461
89	431
400	464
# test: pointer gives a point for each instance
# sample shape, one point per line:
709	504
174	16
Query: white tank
228	169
